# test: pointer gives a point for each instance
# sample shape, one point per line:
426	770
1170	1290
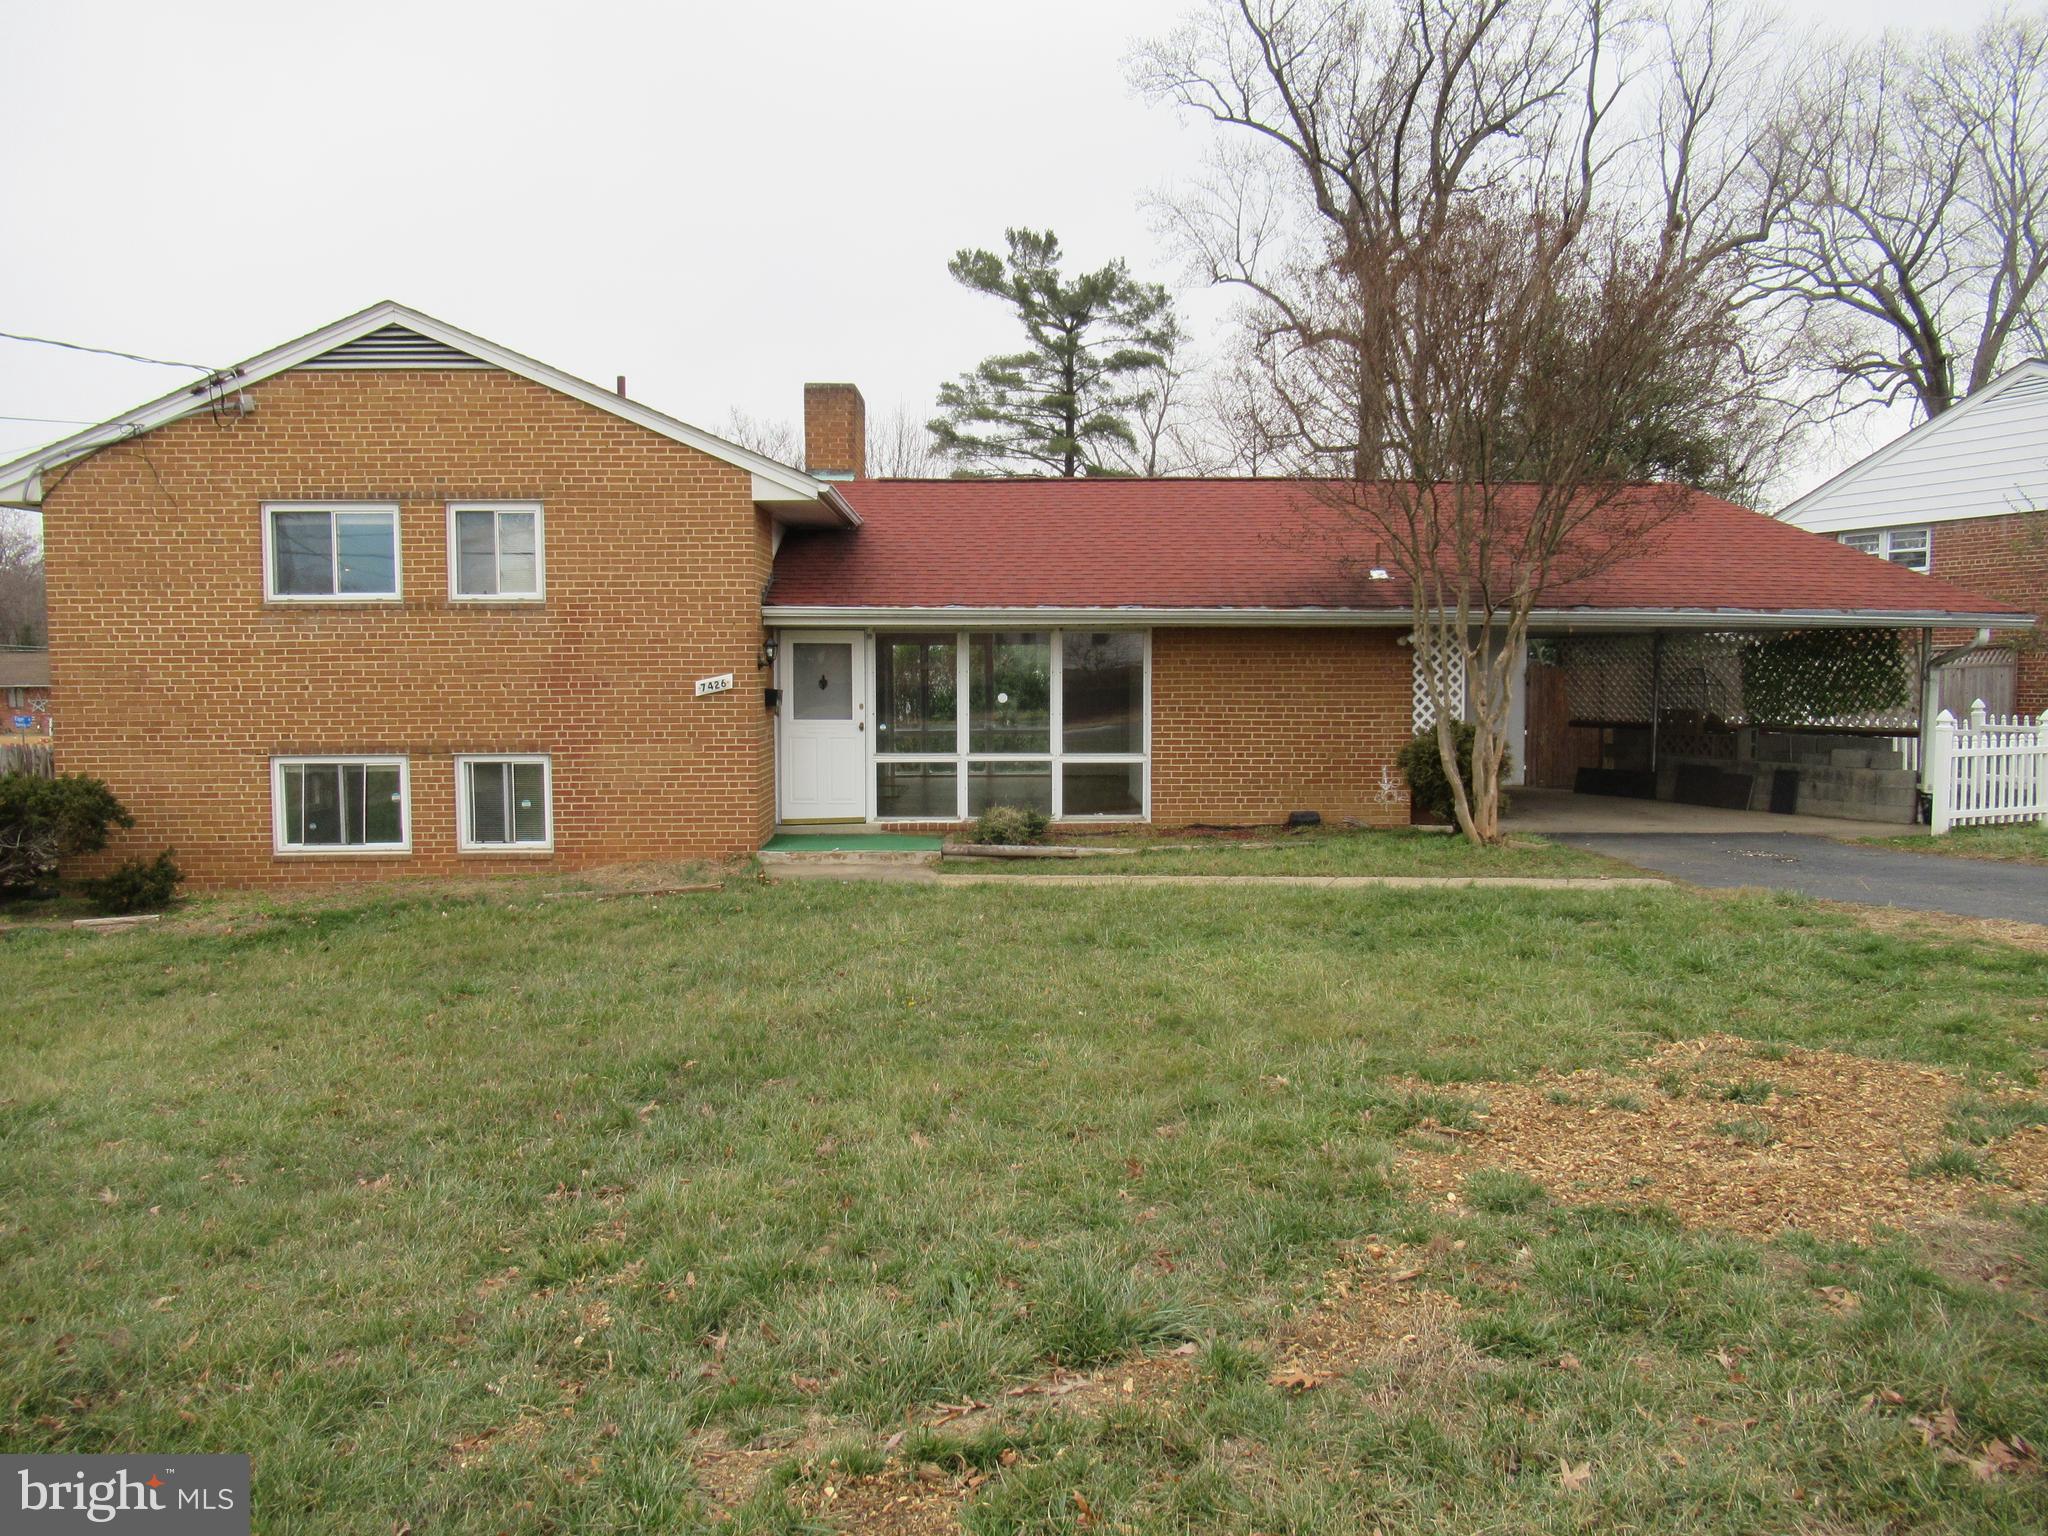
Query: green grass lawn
470	1211
1394	851
2026	844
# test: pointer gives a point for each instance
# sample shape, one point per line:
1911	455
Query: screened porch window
1054	719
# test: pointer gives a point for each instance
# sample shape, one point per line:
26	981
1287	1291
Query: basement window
494	551
340	805
1910	547
503	803
330	552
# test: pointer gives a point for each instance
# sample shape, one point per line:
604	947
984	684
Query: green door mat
851	842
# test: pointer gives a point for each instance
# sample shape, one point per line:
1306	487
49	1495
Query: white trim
395	595
1555	619
463	762
1797	512
774	483
283	849
540	552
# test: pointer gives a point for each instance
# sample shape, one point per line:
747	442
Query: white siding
1987	457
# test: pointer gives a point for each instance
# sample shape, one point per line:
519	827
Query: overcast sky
718	202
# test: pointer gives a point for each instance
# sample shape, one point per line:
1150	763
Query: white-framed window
1058	720
495	552
505	804
1910	547
330	551
340	804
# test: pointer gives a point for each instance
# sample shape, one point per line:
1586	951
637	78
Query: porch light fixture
767	653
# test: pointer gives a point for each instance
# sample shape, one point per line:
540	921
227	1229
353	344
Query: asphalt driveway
1833	871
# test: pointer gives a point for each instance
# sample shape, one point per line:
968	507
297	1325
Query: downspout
1656	702
1921	810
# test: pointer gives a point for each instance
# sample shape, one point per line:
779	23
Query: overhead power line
133	357
54	421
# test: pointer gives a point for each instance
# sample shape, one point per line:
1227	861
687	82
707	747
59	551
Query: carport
1722	727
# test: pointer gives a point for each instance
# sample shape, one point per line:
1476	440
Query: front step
785	858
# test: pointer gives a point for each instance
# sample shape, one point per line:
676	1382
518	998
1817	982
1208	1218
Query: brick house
1963	496
394	599
25	690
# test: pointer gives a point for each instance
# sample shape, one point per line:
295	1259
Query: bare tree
901	446
21	582
1920	220
1173	430
775	439
1485	304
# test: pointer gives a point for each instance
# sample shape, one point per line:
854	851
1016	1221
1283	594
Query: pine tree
1065	405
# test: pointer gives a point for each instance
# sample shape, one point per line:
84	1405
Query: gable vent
395	347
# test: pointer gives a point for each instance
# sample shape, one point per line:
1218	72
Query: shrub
1012	824
137	886
45	821
1422	765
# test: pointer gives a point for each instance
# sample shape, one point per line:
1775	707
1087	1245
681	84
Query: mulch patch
1754	1142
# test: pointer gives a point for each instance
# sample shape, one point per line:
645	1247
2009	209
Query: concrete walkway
1834	871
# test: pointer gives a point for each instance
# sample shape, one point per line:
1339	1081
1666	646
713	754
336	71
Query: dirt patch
1375	1319
898	1501
1729	1136
1145	1380
730	1474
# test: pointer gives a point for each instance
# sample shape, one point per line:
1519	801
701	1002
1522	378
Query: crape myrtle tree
1070	402
1490	252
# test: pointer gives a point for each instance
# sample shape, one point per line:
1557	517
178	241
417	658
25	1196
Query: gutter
1565	620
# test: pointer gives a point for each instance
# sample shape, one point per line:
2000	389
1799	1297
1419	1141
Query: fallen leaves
1942	1432
2003	1458
1574	1479
1295	1379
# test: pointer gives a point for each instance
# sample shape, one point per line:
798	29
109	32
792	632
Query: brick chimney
835	432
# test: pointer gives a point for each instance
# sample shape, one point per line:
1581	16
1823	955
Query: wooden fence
1987	769
27	757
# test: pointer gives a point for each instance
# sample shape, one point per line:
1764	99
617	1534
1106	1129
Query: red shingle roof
1267	544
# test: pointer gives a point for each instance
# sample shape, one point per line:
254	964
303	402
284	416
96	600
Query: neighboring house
393	599
25	690
1964	496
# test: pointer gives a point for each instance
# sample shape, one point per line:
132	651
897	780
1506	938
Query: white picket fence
1987	769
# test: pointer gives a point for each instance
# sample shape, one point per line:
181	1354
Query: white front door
824	769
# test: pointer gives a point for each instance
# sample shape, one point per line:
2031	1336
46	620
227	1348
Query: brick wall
835	430
1249	724
2005	558
34	702
179	682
